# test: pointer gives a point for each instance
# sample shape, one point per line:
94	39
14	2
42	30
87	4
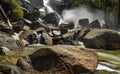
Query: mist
83	12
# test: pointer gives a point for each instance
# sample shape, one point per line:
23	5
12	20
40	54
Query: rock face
7	41
61	60
102	38
51	18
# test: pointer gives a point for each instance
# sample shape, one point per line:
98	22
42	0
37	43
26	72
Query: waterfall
50	10
46	4
38	37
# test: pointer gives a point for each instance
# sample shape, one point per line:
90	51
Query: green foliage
12	9
111	5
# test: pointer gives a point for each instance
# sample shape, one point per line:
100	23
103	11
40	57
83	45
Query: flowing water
109	61
50	10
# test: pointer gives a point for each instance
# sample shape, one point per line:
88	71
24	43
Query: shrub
12	9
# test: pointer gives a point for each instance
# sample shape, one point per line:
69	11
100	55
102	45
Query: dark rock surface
51	18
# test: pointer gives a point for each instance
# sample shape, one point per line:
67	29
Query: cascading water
38	37
50	10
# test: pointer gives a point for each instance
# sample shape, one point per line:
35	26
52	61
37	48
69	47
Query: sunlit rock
61	59
102	38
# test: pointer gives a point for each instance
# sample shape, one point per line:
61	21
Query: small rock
4	51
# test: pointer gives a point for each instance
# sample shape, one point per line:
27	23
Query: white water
46	4
50	10
16	36
28	1
102	67
38	37
83	12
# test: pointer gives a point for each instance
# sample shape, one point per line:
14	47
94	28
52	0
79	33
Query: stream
109	60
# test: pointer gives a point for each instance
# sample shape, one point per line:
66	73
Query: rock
46	39
24	63
18	26
5	28
52	18
63	31
94	24
10	69
57	5
67	25
30	5
37	24
7	41
4	51
79	34
83	22
63	59
63	40
102	38
32	16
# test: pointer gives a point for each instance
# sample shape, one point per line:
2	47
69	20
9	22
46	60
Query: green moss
12	9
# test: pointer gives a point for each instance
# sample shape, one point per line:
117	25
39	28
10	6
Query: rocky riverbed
43	43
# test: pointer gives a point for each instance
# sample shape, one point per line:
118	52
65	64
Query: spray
83	12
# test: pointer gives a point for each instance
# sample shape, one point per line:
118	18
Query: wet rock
7	41
4	51
5	28
94	24
67	25
9	69
102	38
63	59
51	18
57	5
83	22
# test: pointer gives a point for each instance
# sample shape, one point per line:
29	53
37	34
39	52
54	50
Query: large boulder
67	25
102	38
61	59
52	18
7	41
